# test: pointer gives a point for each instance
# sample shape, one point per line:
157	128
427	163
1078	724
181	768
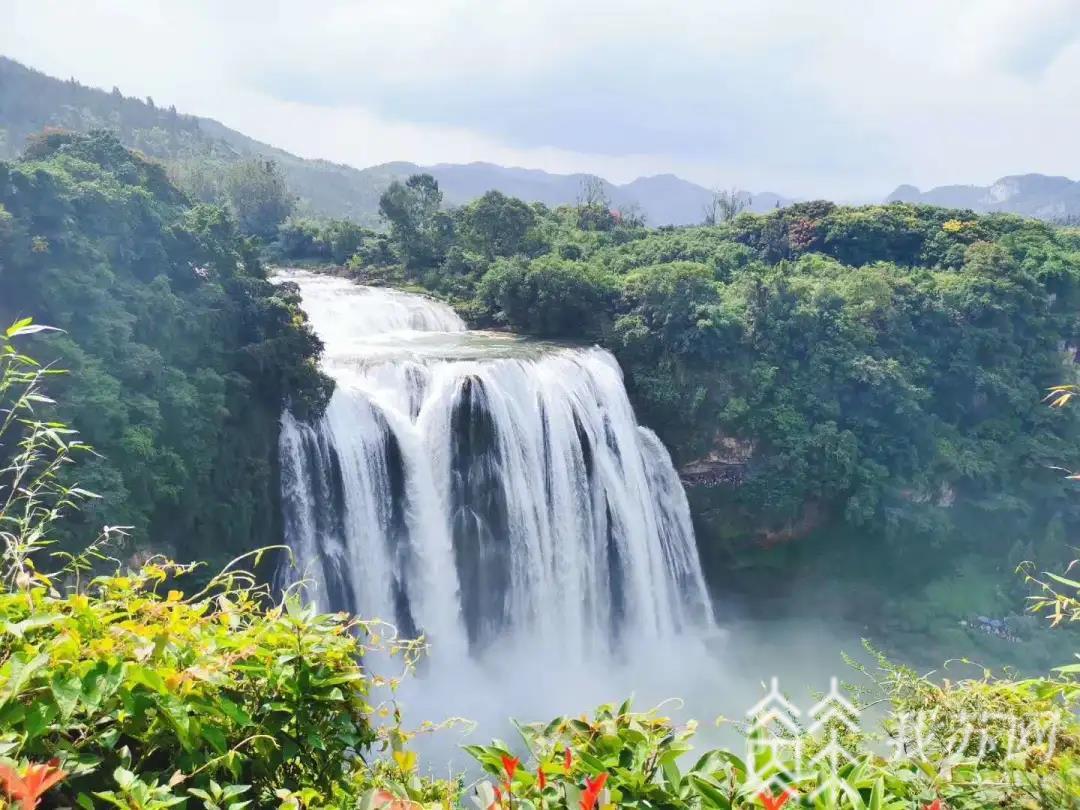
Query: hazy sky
802	97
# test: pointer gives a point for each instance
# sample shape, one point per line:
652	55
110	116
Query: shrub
182	690
549	296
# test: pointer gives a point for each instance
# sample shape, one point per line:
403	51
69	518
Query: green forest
179	353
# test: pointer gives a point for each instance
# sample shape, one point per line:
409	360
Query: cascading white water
489	491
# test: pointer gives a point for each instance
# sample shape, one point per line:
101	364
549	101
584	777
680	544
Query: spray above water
492	492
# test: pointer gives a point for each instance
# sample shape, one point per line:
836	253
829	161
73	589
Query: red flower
776	803
498	796
510	764
385	800
934	805
592	791
566	758
382	797
28	789
541	777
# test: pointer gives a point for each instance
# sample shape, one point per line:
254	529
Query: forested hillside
197	150
181	353
202	155
868	373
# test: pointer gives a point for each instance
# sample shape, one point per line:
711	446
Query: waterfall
482	488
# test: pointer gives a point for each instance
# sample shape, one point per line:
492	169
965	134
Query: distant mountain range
1034	195
664	199
31	101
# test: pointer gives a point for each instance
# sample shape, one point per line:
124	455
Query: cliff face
712	483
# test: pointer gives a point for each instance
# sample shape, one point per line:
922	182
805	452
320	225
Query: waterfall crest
479	487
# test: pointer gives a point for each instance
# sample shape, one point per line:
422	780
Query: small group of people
993	627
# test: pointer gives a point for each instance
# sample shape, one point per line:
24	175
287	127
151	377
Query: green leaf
20	672
66	692
216	738
124	778
672	775
18	629
594	764
710	791
1072	583
234	790
147	677
15	327
38	719
101	682
877	795
853	795
234	712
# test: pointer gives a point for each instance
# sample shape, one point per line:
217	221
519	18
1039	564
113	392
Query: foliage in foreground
181	691
642	760
145	701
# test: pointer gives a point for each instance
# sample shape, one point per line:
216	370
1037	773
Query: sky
812	98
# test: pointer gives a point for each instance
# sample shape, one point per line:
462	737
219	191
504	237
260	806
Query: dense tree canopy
181	353
875	371
254	190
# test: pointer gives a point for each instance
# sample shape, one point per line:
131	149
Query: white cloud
834	97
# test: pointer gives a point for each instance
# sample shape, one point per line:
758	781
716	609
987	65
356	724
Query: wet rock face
479	516
726	527
812	517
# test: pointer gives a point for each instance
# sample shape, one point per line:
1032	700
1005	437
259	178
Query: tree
549	296
631	215
496	225
419	228
258	196
593	192
594	206
725	205
344	239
